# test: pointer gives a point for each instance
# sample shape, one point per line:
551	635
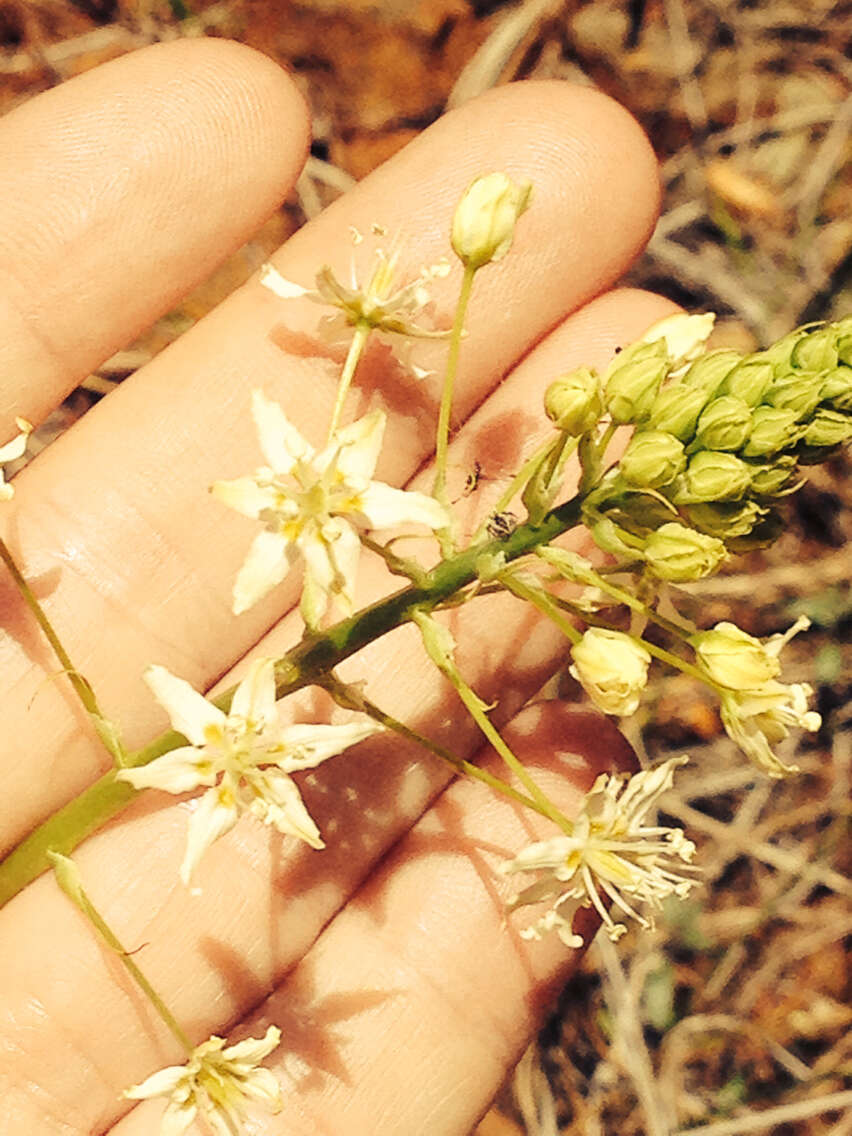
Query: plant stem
443	432
353	357
81	686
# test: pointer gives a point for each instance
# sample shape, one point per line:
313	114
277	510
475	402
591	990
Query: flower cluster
245	758
216	1084
611	854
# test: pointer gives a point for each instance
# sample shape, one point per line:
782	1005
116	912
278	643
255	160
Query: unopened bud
612	668
828	428
713	476
727	520
678	553
775	479
485	218
734	659
610	538
816	351
633	380
772	430
676	409
748	381
652	459
844	348
709	372
837	388
797	392
574	403
724	424
780	353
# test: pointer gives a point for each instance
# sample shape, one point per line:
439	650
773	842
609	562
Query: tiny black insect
501	525
472	480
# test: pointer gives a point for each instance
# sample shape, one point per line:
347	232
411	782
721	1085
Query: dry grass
732	1017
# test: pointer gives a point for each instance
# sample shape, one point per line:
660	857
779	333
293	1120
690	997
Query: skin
402	990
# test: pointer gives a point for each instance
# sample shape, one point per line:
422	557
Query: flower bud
652	459
610	538
775	479
683	335
727	520
484	221
724	424
816	351
708	373
573	403
771	430
844	348
748	381
799	392
713	476
633	380
828	428
612	668
765	532
675	410
735	659
837	388
675	552
780	353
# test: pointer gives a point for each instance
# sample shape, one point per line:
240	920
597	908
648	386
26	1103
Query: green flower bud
610	538
775	479
728	520
828	428
844	349
771	430
837	388
780	353
573	403
484	221
652	459
748	381
799	392
816	351
676	409
710	370
634	379
675	552
713	476
724	424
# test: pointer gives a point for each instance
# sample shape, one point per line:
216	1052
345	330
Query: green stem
81	686
354	700
353	357
545	605
314	655
68	879
442	437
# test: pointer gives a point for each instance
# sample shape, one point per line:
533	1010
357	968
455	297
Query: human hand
401	993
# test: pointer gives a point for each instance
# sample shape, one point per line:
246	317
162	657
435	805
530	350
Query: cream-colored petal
280	804
385	507
262	1086
177	771
190	712
357	446
307	746
285	289
245	496
254	698
217	813
159	1084
269	559
280	442
253	1050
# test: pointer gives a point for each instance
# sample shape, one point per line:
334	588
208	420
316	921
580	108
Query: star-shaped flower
245	758
11	452
215	1083
612	852
312	505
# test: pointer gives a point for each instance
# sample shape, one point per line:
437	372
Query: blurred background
734	1015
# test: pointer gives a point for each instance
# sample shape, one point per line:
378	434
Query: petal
385	507
14	449
281	443
254	698
177	771
357	447
178	1117
253	1049
160	1084
272	279
217	813
279	803
262	1086
190	712
245	495
269	559
308	745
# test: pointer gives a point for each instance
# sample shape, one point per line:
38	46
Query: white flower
612	668
610	852
685	337
312	506
734	659
11	452
378	304
758	719
244	757
216	1083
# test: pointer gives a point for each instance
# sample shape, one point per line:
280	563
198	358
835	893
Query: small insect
472	479
501	525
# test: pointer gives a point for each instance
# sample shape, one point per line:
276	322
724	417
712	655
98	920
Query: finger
120	191
125	537
406	1013
264	900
